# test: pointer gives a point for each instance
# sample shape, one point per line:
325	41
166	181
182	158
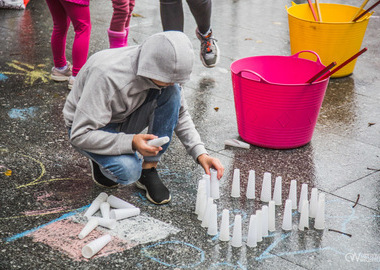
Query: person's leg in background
61	23
80	18
171	12
201	10
119	26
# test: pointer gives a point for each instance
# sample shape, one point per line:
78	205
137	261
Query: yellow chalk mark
8	172
53	180
43	171
31	73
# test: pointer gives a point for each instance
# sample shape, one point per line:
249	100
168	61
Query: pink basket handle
260	79
296	55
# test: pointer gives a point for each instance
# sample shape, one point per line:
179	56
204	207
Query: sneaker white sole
59	78
141	186
217	59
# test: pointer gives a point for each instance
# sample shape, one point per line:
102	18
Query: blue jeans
159	113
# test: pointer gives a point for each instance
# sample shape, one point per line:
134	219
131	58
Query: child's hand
139	143
208	162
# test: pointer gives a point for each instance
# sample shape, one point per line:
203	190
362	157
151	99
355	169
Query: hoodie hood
167	57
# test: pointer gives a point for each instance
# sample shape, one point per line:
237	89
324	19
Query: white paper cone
252	232
235	190
259	220
225	226
271	216
277	193
303	196
91	224
202	202
116	202
313	203
304	218
319	222
206	217
265	218
293	193
200	191
208	184
106	222
123	213
214	185
105	209
95	205
287	218
213	221
95	246
251	186
266	188
236	240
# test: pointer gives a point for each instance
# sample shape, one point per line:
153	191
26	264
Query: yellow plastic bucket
336	38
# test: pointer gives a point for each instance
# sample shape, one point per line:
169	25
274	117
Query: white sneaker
71	82
61	75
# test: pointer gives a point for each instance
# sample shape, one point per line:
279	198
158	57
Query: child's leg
58	38
131	7
123	169
118	31
201	10
80	17
159	113
171	15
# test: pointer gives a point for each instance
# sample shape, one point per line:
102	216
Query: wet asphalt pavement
46	185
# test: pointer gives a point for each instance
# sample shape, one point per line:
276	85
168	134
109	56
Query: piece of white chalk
95	246
287	217
259	221
319	222
293	193
277	193
89	227
236	143
105	209
235	190
106	222
266	188
200	190
206	217
252	232
304	218
264	228
251	186
236	240
271	216
95	205
213	221
116	202
303	196
313	203
123	213
225	226
214	184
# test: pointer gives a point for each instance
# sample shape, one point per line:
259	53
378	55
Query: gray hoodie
114	83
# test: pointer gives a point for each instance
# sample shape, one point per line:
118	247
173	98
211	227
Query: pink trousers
62	13
122	12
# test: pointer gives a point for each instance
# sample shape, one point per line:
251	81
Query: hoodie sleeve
93	112
187	132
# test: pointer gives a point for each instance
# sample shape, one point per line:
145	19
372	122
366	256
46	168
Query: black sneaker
99	178
156	191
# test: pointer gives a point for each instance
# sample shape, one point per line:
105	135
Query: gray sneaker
61	75
209	49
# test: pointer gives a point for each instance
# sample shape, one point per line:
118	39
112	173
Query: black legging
172	14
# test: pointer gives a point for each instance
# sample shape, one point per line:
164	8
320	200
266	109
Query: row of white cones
264	219
111	209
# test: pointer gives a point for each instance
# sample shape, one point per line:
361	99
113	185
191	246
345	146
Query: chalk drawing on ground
30	72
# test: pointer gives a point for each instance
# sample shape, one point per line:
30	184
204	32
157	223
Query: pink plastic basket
275	107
